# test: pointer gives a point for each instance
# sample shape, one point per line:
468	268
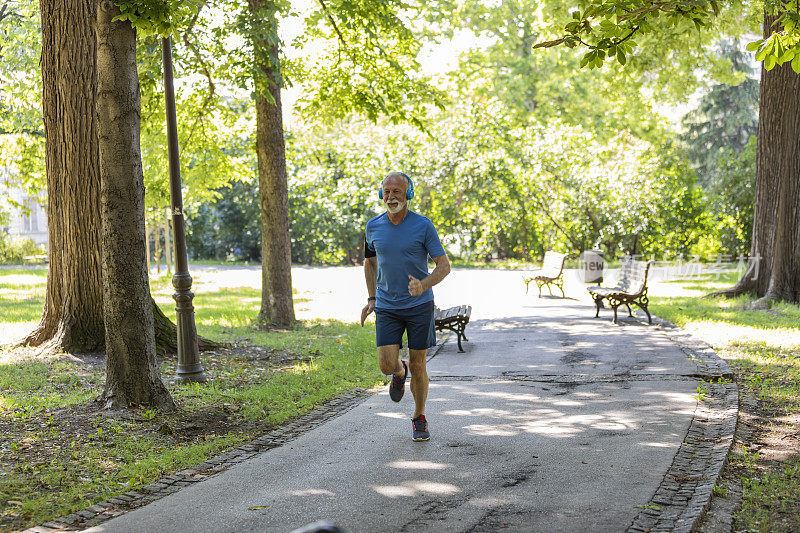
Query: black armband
367	251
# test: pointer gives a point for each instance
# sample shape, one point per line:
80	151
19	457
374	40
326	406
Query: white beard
397	209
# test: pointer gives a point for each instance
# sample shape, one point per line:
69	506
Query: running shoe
398	386
420	425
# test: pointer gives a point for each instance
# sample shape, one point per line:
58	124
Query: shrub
14	252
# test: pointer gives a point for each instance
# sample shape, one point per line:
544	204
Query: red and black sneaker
420	425
398	386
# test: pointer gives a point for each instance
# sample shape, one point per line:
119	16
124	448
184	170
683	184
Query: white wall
21	224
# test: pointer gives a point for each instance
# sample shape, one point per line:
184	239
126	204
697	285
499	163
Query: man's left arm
440	271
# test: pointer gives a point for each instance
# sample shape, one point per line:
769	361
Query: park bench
454	319
551	273
631	288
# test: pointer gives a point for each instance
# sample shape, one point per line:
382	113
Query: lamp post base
190	376
189	368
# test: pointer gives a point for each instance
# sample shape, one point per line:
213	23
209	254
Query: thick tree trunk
779	156
277	306
774	270
132	376
72	319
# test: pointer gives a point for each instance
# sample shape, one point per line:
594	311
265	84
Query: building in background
26	222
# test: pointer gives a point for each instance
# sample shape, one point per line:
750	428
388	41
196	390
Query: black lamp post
189	367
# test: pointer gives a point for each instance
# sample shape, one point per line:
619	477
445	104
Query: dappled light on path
419	465
411	489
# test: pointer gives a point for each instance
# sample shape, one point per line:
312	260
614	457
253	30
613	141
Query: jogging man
396	252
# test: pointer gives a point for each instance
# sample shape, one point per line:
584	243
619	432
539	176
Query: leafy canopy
608	28
160	17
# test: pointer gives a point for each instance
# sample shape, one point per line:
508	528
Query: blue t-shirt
402	250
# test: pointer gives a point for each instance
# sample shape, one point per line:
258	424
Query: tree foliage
731	199
609	29
368	64
492	187
725	118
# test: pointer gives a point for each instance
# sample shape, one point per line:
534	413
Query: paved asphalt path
551	421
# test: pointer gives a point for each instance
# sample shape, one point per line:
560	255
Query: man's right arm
371	277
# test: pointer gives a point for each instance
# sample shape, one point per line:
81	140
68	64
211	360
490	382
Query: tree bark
132	376
277	306
774	270
779	157
72	319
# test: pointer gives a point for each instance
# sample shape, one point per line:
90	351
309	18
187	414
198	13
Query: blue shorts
417	321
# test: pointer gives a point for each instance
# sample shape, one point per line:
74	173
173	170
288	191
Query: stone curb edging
118	505
685	493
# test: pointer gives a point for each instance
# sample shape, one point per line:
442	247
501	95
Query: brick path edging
685	493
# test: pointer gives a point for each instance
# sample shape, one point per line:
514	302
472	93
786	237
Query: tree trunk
774	270
132	376
277	306
779	157
72	319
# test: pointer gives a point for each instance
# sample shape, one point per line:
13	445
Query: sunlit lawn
21	299
58	456
763	348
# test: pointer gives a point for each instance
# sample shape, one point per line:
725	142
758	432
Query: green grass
41	272
59	454
766	361
21	294
772	500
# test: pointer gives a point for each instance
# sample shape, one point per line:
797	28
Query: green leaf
796	63
788	55
621	56
762	54
755	45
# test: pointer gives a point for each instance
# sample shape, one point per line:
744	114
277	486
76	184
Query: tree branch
5	11
544	208
634	30
336	29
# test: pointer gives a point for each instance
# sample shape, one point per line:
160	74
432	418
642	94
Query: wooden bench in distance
454	319
551	273
630	289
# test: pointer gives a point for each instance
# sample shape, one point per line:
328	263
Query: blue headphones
409	192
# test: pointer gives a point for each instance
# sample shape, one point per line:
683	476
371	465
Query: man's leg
388	335
389	360
421	336
419	379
